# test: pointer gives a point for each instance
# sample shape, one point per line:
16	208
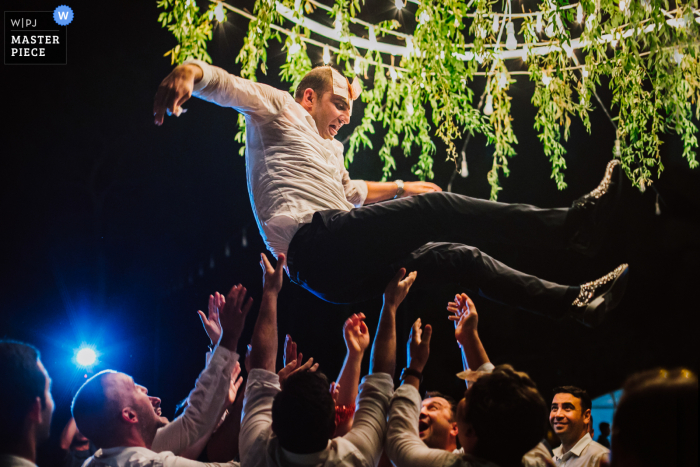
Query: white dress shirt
8	460
292	171
361	447
585	453
142	457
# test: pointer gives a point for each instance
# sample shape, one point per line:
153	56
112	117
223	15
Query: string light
511	42
546	79
409	108
456	22
488	108
579	13
584	72
219	12
677	56
294	48
326	55
398	4
339	22
465	171
502	80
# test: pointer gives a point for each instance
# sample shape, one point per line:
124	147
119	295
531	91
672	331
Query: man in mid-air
344	246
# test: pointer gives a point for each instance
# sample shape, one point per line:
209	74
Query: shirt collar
577	449
313	458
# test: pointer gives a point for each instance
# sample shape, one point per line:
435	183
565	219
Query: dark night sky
108	219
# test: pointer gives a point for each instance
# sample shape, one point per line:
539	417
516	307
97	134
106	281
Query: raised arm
356	337
383	358
175	90
466	321
263	354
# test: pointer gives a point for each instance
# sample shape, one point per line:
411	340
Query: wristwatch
399	190
411	372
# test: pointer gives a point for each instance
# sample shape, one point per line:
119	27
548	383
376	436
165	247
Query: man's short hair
656	422
91	409
319	79
450	400
303	413
507	414
576	392
21	382
602	425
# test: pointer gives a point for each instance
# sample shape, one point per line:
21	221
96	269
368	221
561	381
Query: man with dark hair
344	246
604	428
437	425
291	423
663	399
570	417
499	419
25	390
121	419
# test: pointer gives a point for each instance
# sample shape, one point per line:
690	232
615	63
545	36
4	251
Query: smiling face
329	111
436	426
148	406
568	420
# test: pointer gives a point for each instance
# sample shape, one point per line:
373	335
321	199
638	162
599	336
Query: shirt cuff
487	367
408	391
263	376
362	190
222	353
206	74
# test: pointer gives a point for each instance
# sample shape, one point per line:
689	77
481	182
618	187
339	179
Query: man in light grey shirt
570	417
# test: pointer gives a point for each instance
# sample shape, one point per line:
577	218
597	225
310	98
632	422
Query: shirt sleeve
369	425
205	403
255	100
168	459
355	190
256	419
403	445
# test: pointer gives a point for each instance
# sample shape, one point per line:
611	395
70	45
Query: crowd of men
295	416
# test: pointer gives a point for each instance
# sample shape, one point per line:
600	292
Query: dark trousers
350	256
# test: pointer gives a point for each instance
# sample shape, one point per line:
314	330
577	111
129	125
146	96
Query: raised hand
397	289
174	91
292	368
211	322
419	346
232	316
272	277
356	334
335	392
236	381
290	351
464	316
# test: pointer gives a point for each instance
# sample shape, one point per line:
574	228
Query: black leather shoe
590	215
599	297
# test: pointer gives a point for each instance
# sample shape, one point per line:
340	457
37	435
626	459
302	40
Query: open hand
236	381
292	367
419	345
272	277
232	315
174	91
211	322
356	334
464	316
397	289
418	188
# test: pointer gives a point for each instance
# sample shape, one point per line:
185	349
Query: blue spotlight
86	357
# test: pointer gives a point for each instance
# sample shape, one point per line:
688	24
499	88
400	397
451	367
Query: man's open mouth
422	426
333	130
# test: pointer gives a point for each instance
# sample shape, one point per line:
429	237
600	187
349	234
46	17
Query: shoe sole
599	308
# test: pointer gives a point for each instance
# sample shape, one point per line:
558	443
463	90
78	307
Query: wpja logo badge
37	37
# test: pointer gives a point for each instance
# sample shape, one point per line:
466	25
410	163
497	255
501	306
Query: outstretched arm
356	337
466	321
380	191
383	358
263	354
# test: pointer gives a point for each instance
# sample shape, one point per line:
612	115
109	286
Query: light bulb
677	56
579	13
326	55
538	25
584	72
211	15
482	32
357	69
456	22
219	12
442	55
511	42
465	171
546	79
409	46
294	48
494	26
398	4
409	108
338	22
392	73
549	30
502	81
488	108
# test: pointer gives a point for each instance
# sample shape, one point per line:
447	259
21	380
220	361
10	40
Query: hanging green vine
191	29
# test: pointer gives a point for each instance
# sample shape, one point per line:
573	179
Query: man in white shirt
342	247
499	419
570	416
292	423
119	417
25	390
